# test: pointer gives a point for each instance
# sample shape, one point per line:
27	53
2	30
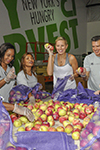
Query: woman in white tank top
62	64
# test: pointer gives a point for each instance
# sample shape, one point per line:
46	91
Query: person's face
61	46
28	61
9	56
96	47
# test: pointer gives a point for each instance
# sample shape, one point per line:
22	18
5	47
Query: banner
24	21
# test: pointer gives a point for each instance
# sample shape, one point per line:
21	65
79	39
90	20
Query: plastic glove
24	111
31	100
10	75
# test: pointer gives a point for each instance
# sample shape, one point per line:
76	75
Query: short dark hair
3	48
95	38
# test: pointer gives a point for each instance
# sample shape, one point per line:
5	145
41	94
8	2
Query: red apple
43	117
37	126
76	130
43	107
50	108
51	122
39	112
66	122
36	105
43	128
46	124
59	108
76	105
52	129
76	115
80	70
84	133
82	115
34	128
88	110
63	118
30	106
48	112
56	115
13	119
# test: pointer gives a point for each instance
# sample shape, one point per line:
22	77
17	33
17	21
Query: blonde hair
61	38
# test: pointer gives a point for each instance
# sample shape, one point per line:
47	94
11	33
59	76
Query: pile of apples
55	116
91	131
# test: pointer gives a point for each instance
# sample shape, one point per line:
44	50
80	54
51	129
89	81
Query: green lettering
68	13
73	23
12	12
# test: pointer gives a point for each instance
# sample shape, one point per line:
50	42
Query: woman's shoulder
20	73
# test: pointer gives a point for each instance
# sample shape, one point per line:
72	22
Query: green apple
23	119
66	122
62	112
21	129
17	123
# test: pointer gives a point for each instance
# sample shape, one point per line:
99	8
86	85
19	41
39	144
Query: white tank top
62	71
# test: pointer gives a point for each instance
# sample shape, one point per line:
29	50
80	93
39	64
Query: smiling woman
7	71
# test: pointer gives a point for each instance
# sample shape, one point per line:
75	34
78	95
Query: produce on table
57	116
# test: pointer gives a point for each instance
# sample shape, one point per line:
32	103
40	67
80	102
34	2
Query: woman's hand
11	75
97	92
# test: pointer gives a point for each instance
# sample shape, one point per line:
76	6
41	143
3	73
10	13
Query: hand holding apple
81	71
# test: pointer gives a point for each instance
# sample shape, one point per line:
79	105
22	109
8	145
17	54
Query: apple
59	108
34	128
17	123
36	105
63	118
82	115
39	112
80	123
48	112
84	133
30	106
43	117
13	119
23	119
92	106
50	118
29	125
50	108
76	135
21	129
96	146
13	115
60	129
76	105
90	126
56	106
57	102
68	128
21	148
37	126
51	122
66	122
43	128
65	108
90	136
76	115
71	118
78	126
62	112
76	129
86	120
88	110
37	122
76	111
46	124
52	129
43	107
49	46
10	148
83	142
56	115
80	69
75	121
95	130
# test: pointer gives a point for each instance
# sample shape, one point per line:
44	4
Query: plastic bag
39	94
59	87
90	136
19	93
4	126
39	140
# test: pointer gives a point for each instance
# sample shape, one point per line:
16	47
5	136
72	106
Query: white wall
93	28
